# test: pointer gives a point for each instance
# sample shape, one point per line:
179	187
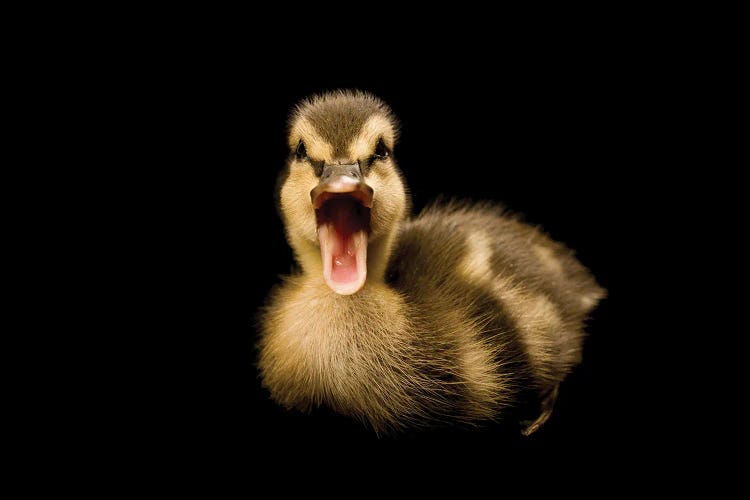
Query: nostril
331	171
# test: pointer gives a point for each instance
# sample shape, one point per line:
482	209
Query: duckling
460	316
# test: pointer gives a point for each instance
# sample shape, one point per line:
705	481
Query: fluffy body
467	315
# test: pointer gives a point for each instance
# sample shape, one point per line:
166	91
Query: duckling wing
527	289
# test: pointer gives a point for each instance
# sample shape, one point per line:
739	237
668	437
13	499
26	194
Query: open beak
342	203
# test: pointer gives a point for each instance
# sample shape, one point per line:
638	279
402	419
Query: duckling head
342	197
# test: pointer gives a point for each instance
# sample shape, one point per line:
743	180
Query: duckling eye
301	152
381	151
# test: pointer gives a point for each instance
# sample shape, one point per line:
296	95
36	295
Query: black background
562	140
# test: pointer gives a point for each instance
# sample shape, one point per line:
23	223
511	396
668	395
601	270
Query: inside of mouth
343	225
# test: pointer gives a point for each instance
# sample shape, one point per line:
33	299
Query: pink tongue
343	250
343	246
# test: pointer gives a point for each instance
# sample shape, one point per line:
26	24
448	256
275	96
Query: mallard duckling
461	315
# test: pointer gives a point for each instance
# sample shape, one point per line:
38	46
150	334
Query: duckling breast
379	357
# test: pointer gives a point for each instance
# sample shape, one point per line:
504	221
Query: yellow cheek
389	199
299	215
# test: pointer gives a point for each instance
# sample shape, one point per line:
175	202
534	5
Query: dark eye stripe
317	167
